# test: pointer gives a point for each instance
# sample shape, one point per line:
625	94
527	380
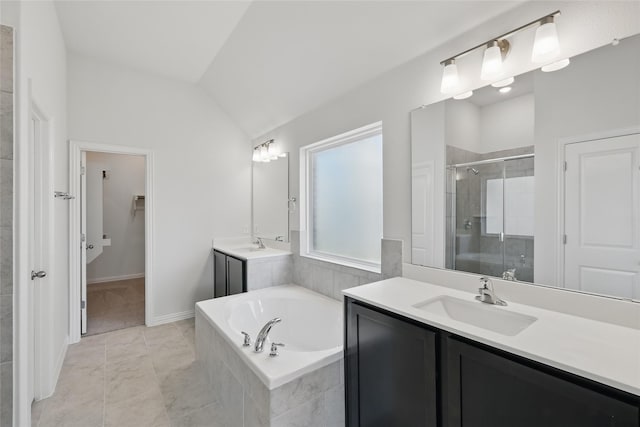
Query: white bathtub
311	329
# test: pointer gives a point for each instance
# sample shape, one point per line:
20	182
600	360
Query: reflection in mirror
539	182
270	199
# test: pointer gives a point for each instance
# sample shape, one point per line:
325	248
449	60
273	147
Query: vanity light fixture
267	151
495	52
505	89
546	49
450	79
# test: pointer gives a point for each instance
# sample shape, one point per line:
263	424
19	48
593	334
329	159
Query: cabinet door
484	389
219	274
235	276
390	371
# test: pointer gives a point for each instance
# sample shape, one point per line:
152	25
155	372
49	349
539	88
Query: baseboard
115	278
55	375
173	317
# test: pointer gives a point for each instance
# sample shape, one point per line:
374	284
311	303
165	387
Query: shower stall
490	217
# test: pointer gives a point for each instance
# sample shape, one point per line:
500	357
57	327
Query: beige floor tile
128	378
166	361
144	410
36	412
125	344
186	390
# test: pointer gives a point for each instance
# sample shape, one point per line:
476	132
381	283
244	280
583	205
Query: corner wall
201	172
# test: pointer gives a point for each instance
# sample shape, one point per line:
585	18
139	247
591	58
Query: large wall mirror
537	183
270	199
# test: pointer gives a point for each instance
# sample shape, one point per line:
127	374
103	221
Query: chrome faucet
488	294
264	333
260	243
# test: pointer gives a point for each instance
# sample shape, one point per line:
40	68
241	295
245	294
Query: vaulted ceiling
267	62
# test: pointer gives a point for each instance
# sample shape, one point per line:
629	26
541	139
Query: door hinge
565	166
564	239
83	305
83	170
83	237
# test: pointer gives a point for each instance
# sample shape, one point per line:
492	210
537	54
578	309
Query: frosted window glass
514	201
346	195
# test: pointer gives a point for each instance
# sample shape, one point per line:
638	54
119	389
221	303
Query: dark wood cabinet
487	389
229	275
399	372
390	369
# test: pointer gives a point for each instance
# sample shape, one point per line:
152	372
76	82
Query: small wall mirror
270	199
537	181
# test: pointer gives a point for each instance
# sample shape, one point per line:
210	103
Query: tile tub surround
271	271
291	390
6	225
315	399
331	279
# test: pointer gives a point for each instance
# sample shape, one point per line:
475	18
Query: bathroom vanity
230	274
424	355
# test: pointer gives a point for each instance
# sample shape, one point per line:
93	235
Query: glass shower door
519	219
479	215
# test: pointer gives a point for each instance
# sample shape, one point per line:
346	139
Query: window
341	198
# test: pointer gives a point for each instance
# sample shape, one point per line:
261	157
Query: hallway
133	377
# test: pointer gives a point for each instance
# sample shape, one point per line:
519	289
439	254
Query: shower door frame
454	199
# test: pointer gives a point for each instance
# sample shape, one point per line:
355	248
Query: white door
93	206
37	243
602	218
422	237
83	244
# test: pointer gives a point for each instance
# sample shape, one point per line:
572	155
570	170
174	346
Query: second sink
485	316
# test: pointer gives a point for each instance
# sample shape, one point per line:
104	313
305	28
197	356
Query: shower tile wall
6	225
465	222
330	279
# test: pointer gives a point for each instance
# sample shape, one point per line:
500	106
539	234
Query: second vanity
418	354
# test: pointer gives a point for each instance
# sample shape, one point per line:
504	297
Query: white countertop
603	352
249	251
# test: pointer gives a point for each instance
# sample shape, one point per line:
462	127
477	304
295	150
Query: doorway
112	204
111	232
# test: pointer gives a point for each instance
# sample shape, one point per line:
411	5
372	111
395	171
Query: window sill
372	268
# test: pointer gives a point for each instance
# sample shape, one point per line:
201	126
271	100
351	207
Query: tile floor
115	305
133	377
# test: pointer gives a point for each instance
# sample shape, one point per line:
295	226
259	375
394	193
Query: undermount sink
249	249
485	316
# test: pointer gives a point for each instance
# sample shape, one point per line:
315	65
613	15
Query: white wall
508	124
41	78
201	176
389	98
462	125
124	257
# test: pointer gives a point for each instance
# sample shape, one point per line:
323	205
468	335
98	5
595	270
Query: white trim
305	190
173	317
75	149
562	143
57	368
114	278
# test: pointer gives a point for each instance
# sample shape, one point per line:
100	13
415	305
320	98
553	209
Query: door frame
75	150
562	144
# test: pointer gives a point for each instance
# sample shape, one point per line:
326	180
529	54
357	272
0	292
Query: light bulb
450	79
555	66
463	95
546	46
274	150
491	62
264	153
505	82
505	89
256	155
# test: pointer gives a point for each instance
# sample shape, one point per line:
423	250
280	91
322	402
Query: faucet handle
247	339
274	348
